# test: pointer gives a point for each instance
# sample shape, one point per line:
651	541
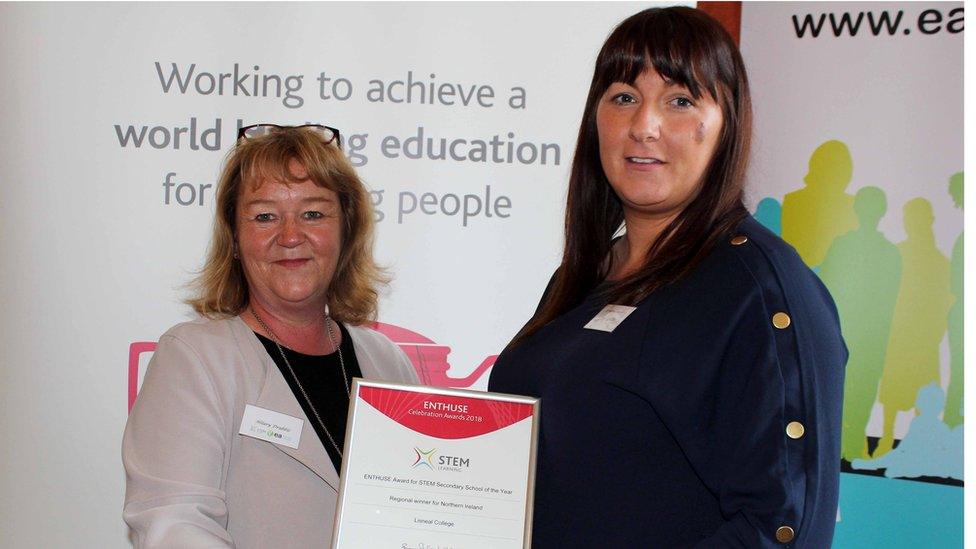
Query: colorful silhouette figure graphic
954	400
862	270
930	448
770	214
912	357
817	214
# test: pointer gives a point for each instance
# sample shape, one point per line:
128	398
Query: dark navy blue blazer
672	431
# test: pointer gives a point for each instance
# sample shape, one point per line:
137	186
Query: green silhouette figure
817	214
862	270
912	358
954	400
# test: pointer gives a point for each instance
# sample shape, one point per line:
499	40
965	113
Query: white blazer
193	481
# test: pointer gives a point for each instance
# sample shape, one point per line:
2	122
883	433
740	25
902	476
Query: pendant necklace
342	365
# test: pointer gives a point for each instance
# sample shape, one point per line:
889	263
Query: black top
321	376
672	430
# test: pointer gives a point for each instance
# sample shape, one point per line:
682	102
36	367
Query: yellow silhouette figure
953	415
912	358
817	214
862	270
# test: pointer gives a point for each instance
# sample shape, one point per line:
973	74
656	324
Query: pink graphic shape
429	359
445	416
136	349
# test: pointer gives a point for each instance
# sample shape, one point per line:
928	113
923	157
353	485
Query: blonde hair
220	289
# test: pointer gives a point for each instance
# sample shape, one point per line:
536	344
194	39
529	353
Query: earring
237	255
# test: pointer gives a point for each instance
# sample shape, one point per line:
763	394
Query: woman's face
656	140
289	237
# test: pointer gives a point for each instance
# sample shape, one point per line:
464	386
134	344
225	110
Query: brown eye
623	98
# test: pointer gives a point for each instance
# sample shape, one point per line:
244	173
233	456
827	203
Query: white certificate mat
427	467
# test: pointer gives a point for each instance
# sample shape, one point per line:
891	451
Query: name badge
271	426
609	318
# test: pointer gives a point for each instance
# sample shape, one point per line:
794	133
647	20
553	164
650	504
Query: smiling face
656	139
289	237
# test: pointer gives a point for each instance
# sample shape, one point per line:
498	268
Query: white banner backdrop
854	95
894	97
460	117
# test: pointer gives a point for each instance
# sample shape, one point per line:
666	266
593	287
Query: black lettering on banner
808	24
930	17
884	22
881	23
955	25
845	21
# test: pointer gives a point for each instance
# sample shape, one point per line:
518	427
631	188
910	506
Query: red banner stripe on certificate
449	417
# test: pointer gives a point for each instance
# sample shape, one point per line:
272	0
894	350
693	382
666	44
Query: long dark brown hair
690	48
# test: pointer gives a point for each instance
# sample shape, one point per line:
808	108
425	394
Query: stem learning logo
425	458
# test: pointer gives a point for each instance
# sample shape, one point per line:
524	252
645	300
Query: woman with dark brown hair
236	437
691	369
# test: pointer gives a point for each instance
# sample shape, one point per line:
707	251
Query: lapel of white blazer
277	395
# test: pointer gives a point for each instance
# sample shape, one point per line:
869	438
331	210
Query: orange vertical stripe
729	14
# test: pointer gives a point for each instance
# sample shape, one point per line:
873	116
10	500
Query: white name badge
264	424
609	318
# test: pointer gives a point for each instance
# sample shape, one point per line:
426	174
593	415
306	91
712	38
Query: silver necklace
342	365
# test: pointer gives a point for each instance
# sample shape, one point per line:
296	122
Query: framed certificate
428	468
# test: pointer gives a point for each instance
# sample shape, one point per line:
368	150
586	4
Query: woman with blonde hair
236	436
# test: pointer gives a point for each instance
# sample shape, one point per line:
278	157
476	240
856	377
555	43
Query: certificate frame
357	411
